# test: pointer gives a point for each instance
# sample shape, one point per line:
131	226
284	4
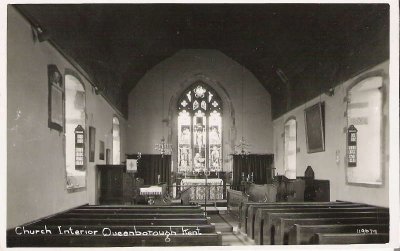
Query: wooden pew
255	223
287	223
205	239
244	208
108	230
123	221
153	215
137	210
337	238
301	234
234	200
273	234
188	228
136	207
253	209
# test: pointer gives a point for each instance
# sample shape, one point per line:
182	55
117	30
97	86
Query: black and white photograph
227	125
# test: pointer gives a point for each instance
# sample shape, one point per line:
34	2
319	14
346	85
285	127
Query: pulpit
199	189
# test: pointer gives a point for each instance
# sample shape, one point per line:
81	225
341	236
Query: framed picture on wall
55	98
92	143
314	124
102	150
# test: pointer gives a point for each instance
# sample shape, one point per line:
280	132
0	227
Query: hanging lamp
163	147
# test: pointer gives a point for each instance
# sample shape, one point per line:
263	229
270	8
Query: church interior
197	124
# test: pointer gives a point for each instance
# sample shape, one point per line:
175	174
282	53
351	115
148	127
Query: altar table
198	189
151	193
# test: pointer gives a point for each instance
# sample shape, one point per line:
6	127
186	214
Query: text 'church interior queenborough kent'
135	125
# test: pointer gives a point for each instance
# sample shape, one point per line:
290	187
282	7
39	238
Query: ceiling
296	51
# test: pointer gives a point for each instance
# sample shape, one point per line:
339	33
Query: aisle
227	225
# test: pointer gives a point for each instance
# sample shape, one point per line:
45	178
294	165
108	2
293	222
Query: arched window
364	131
199	130
116	142
75	120
290	146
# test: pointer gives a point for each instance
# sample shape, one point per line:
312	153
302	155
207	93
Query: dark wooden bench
255	212
273	234
256	225
154	215
234	200
301	234
336	238
86	229
244	208
136	210
110	222
136	207
77	229
205	239
287	223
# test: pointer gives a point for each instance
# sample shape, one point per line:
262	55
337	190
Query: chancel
198	124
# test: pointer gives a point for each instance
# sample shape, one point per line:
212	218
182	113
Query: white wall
324	163
221	73
36	185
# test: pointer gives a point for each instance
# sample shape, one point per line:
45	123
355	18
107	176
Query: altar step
211	210
211	203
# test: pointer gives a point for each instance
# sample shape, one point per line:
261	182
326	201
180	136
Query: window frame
383	121
119	139
72	73
284	146
207	114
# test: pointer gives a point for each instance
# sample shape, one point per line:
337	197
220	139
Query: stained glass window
199	130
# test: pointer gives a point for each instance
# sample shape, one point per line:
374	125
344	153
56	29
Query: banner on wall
131	165
352	146
79	148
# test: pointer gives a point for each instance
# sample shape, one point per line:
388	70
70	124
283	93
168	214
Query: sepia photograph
201	124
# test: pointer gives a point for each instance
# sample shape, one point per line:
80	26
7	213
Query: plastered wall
36	185
324	163
145	127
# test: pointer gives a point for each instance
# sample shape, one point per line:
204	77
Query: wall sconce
39	34
330	92
98	91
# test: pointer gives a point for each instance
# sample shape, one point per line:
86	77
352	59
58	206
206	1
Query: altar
151	193
198	188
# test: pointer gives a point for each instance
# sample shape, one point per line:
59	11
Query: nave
132	125
281	224
243	223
